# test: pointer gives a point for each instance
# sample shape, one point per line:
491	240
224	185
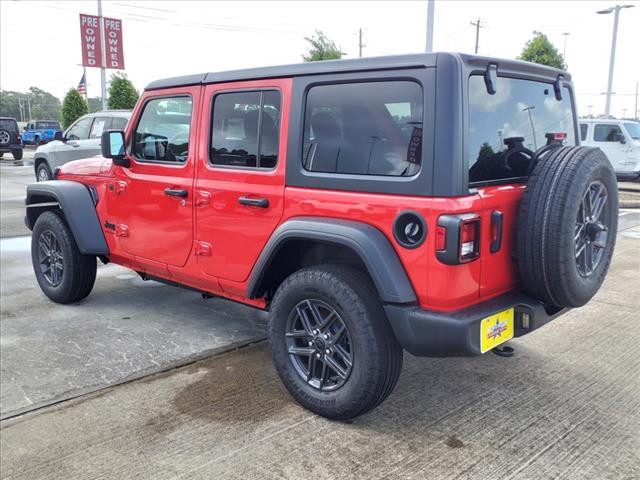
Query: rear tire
43	172
36	141
64	274
567	226
374	353
17	153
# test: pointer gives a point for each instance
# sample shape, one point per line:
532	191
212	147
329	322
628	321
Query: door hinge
202	198
122	230
202	248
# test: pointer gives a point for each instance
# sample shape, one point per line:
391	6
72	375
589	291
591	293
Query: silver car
80	140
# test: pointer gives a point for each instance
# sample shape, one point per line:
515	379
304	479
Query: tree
540	50
42	105
321	48
486	150
73	107
95	104
122	93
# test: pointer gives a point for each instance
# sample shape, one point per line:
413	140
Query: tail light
458	238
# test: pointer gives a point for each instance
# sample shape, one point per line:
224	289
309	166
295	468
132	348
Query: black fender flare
79	208
368	242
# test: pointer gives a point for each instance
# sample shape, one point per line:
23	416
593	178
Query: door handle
254	202
176	192
496	222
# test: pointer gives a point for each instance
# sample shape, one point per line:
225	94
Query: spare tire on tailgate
567	226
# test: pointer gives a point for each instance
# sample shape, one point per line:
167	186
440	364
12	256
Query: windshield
633	129
507	127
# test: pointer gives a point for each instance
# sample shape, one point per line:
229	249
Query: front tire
331	342
43	173
64	274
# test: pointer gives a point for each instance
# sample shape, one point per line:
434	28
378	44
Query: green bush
73	107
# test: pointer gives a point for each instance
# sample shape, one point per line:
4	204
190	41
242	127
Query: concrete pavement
125	329
566	406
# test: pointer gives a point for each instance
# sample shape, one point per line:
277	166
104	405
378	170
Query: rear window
368	128
507	127
9	125
606	133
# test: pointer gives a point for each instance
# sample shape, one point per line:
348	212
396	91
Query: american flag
82	86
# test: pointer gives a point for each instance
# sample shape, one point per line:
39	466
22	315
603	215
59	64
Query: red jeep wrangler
435	203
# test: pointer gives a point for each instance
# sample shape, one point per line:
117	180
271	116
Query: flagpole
86	92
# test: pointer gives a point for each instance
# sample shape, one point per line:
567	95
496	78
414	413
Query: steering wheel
178	147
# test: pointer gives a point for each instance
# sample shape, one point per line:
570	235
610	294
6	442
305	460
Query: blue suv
40	131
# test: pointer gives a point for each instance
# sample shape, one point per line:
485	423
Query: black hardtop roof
418	60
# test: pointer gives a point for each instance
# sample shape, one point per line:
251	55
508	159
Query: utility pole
612	58
103	70
590	107
360	44
430	15
478	25
564	49
533	130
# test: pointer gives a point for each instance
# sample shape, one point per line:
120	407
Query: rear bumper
457	334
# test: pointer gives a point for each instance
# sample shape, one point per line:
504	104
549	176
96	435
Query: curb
629	204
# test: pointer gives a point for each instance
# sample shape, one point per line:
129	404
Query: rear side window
507	127
118	123
583	131
246	127
368	128
47	125
99	125
162	133
606	133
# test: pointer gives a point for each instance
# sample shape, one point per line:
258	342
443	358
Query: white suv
619	140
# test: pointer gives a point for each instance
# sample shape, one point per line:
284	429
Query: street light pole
612	58
430	15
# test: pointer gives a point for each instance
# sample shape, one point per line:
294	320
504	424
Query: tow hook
504	351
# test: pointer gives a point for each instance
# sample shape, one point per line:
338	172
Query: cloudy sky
40	40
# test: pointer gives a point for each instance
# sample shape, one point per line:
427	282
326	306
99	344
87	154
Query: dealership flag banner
91	40
113	41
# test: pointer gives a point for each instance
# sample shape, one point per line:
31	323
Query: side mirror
112	144
620	138
58	136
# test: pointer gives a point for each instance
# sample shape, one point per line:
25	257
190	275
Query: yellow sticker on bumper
496	329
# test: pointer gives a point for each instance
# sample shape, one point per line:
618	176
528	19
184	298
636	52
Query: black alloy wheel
51	258
319	345
591	229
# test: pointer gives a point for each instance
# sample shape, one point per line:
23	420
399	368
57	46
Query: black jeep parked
10	140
